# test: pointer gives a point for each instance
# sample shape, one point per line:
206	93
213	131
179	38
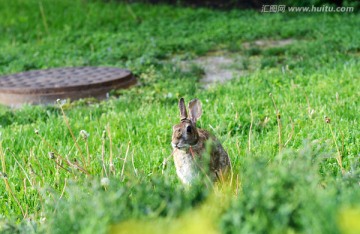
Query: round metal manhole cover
46	86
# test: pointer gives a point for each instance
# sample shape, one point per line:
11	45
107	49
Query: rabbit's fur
189	144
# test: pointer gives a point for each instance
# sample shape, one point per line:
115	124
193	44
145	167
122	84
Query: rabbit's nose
175	145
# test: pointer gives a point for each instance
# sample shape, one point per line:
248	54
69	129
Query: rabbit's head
185	133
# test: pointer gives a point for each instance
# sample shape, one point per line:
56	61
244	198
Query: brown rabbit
189	142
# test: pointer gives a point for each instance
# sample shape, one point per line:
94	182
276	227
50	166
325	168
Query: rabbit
189	145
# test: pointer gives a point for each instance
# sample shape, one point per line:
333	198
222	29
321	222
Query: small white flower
61	102
84	134
51	155
104	181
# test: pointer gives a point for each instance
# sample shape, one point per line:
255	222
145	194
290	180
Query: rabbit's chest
186	167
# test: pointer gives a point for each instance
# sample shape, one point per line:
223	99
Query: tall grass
94	167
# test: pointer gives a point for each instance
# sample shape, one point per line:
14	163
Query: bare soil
222	66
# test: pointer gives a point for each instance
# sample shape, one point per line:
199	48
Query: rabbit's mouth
180	146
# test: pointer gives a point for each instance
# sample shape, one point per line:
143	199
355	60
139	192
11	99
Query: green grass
298	187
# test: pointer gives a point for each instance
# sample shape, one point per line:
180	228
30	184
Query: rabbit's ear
195	110
182	108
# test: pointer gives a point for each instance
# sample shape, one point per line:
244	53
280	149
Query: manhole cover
46	86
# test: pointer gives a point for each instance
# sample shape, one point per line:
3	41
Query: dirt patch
217	67
222	66
268	43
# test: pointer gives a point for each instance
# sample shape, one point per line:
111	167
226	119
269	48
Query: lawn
290	122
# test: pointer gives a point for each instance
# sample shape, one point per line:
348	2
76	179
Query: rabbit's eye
188	129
